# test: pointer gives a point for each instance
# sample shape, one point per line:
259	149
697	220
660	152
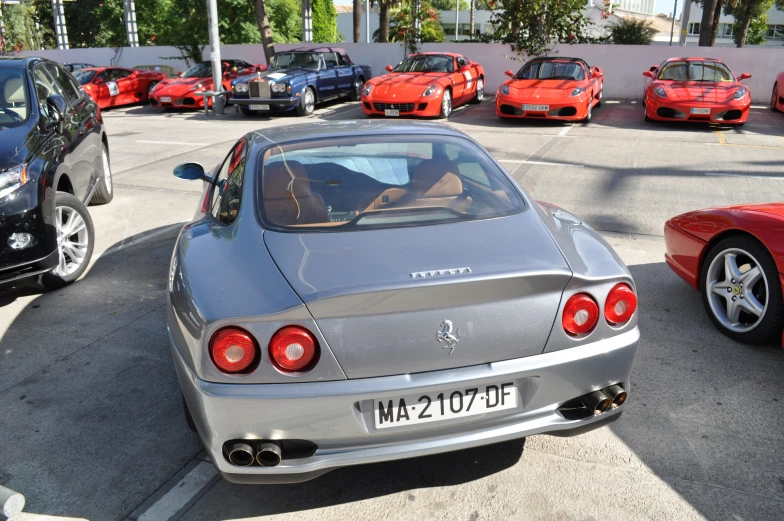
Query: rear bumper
683	254
572	110
337	416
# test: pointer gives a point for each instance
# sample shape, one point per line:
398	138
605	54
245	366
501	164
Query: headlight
366	89
659	91
196	87
505	89
12	180
241	87
577	91
278	87
429	91
740	93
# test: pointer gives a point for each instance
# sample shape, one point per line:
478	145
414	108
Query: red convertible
777	96
695	90
551	88
735	257
183	91
114	86
428	84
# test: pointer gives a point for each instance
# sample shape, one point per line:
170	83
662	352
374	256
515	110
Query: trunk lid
379	319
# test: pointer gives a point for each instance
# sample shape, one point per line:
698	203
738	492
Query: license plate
392	112
259	107
700	111
425	408
165	100
537	108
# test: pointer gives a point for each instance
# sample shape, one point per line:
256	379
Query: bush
632	31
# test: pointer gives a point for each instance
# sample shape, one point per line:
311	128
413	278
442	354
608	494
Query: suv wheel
104	193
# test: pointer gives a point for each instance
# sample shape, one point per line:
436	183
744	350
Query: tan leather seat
387	199
287	197
14	95
435	184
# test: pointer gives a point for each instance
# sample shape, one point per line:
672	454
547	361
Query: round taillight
620	305
233	350
293	349
580	315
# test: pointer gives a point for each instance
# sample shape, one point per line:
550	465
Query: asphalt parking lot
92	427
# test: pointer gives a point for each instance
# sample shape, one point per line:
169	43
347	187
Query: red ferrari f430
777	96
426	85
697	90
115	86
735	257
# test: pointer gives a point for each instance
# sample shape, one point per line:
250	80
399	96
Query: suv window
69	90
228	185
44	84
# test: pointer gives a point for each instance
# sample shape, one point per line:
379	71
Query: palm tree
265	29
357	20
383	19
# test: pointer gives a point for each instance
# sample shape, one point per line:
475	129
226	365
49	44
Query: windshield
551	70
696	71
426	63
305	60
200	70
14	101
84	76
381	182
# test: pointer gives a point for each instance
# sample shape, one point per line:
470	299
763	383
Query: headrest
435	178
277	180
14	91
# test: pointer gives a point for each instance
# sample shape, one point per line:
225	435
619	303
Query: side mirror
653	68
389	68
649	74
179	74
510	74
189	171
98	81
744	76
597	72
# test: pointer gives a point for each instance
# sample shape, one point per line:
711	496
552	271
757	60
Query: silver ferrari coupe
366	291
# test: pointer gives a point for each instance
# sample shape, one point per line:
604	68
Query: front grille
402	107
564	111
509	110
667	112
732	114
259	89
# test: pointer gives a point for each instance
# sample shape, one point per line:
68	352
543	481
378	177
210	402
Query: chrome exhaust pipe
616	394
241	454
268	454
596	402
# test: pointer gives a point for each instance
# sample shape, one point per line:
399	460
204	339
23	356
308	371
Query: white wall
622	64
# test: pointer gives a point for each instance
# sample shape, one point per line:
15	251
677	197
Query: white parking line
749	176
181	494
173	143
565	130
546	163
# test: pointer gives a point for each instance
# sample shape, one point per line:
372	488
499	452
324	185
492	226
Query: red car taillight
233	350
293	349
620	305
580	314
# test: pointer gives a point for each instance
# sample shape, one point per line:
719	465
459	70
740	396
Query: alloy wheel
446	104
72	240
480	89
309	101
107	171
737	290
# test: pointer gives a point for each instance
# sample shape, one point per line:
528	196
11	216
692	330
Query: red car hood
700	90
181	86
544	89
776	209
405	85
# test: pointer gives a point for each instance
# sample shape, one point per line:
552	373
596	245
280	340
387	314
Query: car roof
14	62
692	59
327	130
560	58
450	54
338	50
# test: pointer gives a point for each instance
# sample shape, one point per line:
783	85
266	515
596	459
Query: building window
694	28
725	30
776	32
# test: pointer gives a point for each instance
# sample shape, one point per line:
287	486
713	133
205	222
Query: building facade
724	35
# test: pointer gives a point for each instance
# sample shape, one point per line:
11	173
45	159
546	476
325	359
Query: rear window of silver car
381	182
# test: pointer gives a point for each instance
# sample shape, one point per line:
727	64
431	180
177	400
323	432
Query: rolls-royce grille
259	89
402	107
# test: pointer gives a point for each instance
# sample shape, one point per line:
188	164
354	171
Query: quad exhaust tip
241	454
616	394
597	402
268	454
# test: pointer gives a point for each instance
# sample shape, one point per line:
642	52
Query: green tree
401	27
285	17
757	33
632	31
325	19
744	12
449	5
20	30
534	26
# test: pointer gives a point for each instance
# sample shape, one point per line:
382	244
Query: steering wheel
16	117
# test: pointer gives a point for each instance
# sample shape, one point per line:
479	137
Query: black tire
150	86
245	110
104	192
357	91
54	281
304	108
600	96
477	99
774	97
769	328
188	416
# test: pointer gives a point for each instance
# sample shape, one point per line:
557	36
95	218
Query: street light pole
672	29
215	57
457	17
367	21
684	22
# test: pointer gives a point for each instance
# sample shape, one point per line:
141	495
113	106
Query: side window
44	85
104	75
121	73
461	62
342	60
331	58
227	196
69	91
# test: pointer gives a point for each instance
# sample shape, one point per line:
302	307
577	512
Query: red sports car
182	92
777	97
551	88
428	84
695	89
735	257
114	86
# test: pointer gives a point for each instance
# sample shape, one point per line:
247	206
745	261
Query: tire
357	91
774	97
601	95
446	105
188	416
480	91
720	296
246	111
66	208
150	86
588	116
104	193
306	103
